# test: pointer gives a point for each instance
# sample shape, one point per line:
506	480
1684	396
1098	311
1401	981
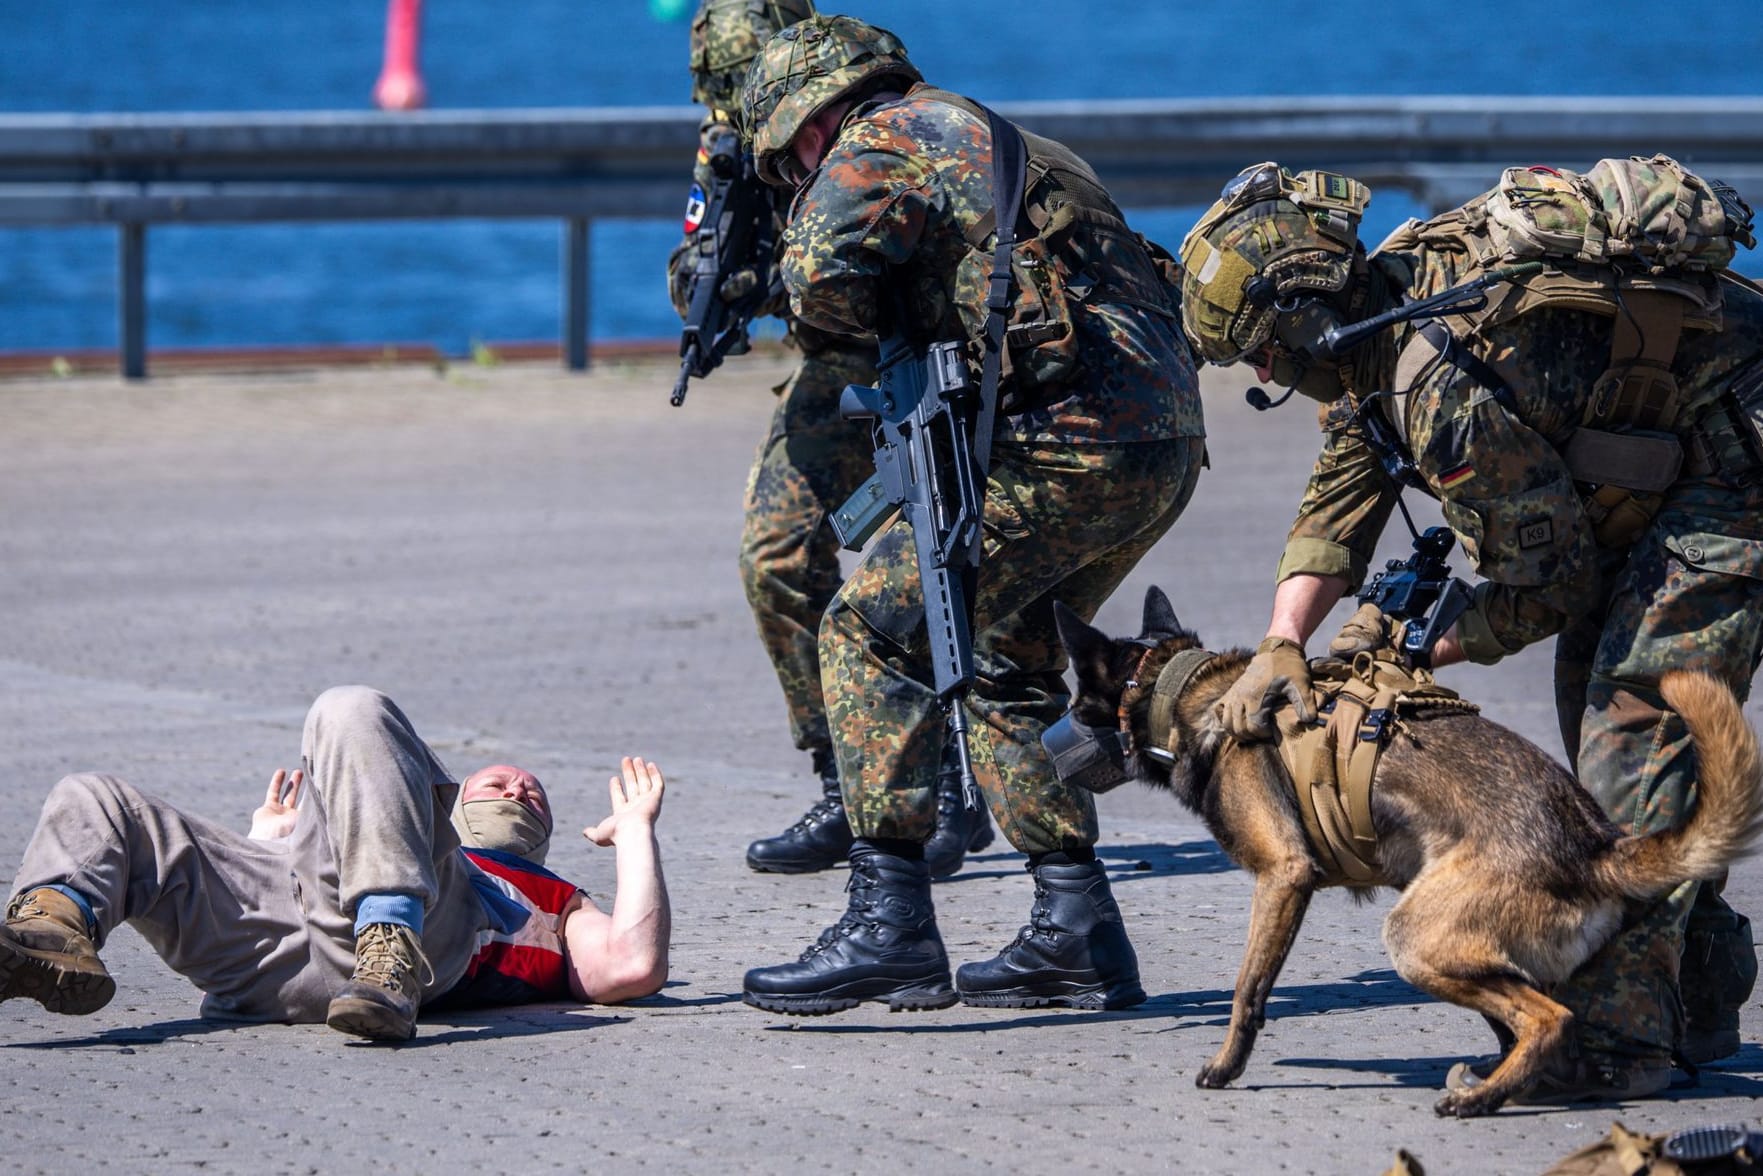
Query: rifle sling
1009	181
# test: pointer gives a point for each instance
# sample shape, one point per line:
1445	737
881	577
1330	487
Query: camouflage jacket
887	214
1503	484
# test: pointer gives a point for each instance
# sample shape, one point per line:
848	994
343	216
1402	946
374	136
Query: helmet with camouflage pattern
806	68
1273	241
726	36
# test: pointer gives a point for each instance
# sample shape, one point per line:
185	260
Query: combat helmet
806	68
1273	242
726	36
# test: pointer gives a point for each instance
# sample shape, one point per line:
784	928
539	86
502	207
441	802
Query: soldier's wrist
1270	644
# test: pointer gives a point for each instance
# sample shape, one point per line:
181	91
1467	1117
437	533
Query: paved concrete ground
541	568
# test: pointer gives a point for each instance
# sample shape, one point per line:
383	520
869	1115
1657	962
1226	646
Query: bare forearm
1301	602
642	920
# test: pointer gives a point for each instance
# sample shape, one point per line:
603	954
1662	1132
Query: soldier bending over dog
1586	417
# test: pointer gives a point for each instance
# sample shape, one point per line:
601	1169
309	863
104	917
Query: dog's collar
1172	677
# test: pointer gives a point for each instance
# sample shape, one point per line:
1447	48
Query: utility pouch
1040	344
1647	462
1619	515
1727	439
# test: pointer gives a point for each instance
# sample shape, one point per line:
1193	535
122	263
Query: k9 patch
1535	534
695	208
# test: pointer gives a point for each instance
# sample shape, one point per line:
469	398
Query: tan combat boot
47	954
381	999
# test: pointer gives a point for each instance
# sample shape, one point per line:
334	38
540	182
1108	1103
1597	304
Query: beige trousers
266	930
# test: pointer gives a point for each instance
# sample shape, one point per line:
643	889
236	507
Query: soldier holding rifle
721	276
1093	451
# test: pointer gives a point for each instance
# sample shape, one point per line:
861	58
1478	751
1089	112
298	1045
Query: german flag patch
1451	479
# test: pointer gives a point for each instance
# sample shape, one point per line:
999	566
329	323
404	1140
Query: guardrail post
575	297
131	281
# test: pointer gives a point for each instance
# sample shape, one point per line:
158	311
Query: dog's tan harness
1332	763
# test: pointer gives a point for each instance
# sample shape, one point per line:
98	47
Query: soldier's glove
1277	674
1366	631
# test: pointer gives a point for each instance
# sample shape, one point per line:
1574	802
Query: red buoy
400	86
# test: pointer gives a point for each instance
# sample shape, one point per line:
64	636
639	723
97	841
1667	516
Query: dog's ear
1087	647
1160	622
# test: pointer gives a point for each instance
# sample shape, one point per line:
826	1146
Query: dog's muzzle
1093	758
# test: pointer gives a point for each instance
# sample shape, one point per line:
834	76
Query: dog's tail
1729	811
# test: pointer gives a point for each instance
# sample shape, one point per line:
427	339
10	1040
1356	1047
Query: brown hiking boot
47	954
381	998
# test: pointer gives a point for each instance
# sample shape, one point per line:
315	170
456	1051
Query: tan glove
1365	631
1277	674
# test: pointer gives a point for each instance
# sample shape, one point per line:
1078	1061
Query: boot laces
822	811
1040	918
390	956
28	908
857	886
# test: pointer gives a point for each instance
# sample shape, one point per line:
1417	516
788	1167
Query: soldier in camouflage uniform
890	229
809	463
1486	407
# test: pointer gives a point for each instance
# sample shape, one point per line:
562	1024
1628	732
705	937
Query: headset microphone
1260	401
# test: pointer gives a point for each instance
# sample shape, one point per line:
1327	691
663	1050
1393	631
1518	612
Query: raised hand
274	819
636	802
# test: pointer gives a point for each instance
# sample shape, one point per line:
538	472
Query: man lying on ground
353	901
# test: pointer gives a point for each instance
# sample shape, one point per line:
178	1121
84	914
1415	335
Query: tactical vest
1640	241
1073	246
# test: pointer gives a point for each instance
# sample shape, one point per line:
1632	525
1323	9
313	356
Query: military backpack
1642	241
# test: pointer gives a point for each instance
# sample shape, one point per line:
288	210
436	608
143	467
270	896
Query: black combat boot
819	841
1074	951
885	948
960	830
1718	971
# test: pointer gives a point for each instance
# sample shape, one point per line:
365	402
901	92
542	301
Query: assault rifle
928	469
1421	591
732	228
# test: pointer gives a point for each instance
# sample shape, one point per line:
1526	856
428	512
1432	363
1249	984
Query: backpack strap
1453	352
1638	390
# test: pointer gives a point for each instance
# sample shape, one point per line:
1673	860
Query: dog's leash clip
1375	725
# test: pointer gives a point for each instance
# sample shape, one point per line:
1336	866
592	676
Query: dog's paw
1465	1104
1216	1076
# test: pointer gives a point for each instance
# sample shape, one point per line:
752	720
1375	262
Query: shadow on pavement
523	1021
155	1034
1374	989
1125	863
1129	863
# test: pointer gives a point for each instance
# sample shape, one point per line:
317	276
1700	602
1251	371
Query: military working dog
1511	875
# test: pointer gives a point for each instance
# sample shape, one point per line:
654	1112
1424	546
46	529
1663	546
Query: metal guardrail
133	171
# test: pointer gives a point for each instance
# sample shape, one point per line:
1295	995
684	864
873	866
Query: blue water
451	283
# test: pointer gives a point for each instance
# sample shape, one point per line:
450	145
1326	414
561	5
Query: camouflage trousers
1062	522
1688	595
810	462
